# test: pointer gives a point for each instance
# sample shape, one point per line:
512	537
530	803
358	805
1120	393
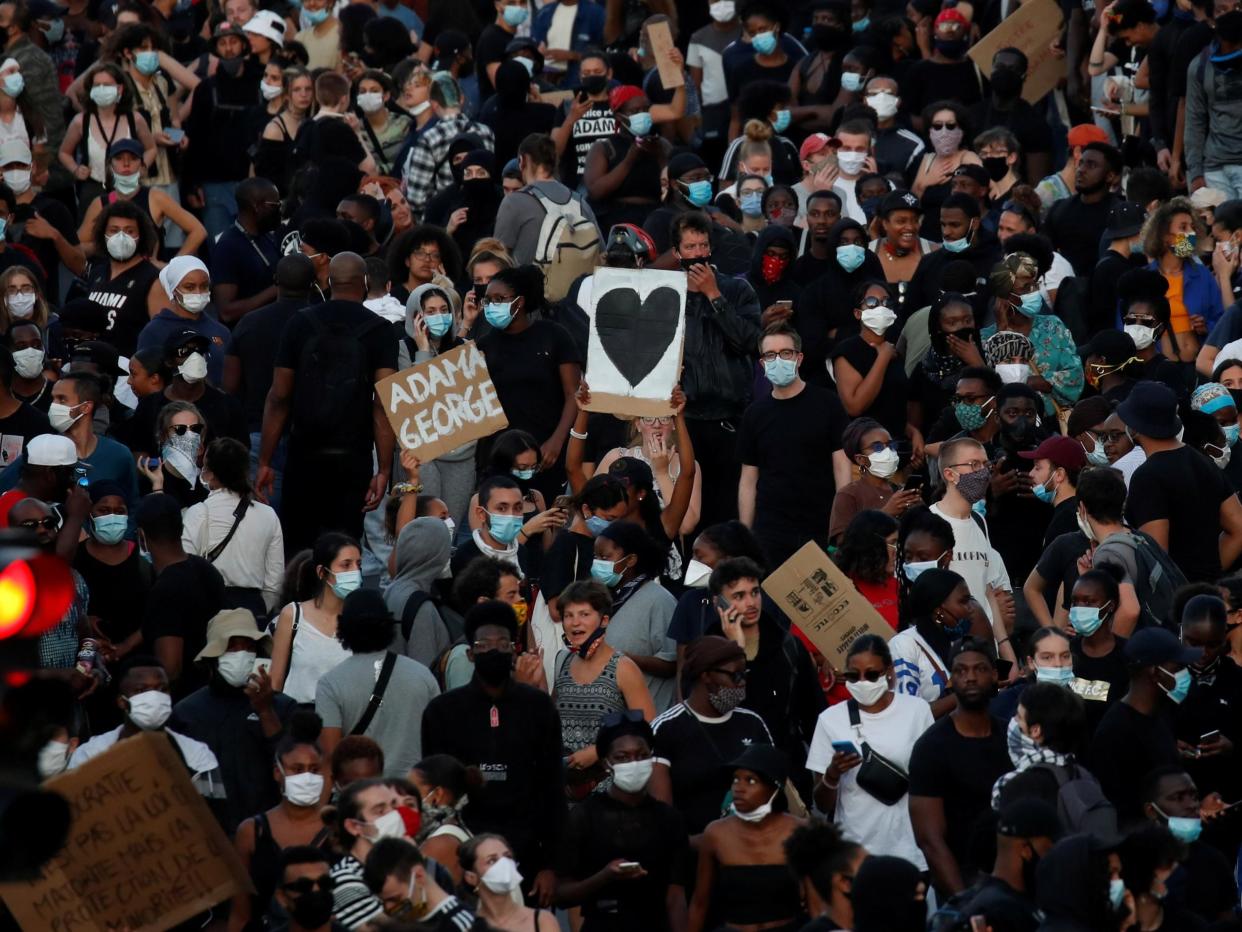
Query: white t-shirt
849	201
561	33
1057	273
919	672
975	560
879	828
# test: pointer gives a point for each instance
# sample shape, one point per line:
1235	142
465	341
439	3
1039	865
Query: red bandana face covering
773	267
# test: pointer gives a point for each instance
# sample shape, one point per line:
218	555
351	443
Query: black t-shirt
254	343
1127	744
697	753
17	429
927	82
1004	907
889	407
652	833
1185	488
1100	681
1076	227
118	593
328	137
745	71
56	214
791	441
568	559
1214	704
596	124
526	370
1203	883
960	771
183	598
1064	520
490	48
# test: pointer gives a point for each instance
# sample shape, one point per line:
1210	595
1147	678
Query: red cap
951	15
1085	133
817	142
1062	451
619	95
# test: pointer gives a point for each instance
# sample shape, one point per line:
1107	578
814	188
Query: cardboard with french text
1030	28
437	405
822	601
144	852
637	330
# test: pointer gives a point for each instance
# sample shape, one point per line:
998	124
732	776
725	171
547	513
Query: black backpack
333	374
1157	582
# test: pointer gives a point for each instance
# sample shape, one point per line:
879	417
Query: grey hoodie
1213	116
423	548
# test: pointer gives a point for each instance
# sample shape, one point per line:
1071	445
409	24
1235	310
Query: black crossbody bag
878	775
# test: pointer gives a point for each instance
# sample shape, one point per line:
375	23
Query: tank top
313	655
124	300
265	864
582	706
98	142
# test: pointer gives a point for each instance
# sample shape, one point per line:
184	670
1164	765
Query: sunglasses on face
180	429
871	676
305	885
944	126
870	303
48	524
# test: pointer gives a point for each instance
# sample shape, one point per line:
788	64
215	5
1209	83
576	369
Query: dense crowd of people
983	347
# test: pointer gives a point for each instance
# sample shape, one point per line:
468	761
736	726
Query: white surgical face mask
632	776
389	825
270	91
305	789
1142	336
61	417
53	759
758	814
235	666
1084	526
502	877
723	10
867	693
18	179
851	163
883	103
150	710
22	305
371	103
1011	372
28	362
121	246
878	319
194	369
194	303
884	463
697	574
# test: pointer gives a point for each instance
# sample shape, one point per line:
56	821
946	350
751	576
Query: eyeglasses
972	465
853	676
738	676
944	126
504	645
785	354
656	421
426	256
48	524
305	885
180	429
1141	321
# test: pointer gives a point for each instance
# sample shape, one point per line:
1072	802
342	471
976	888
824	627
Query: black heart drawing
635	334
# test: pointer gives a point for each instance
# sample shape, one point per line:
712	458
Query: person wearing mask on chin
144	698
896	147
964	239
512	733
187	282
1005	108
622	850
237	714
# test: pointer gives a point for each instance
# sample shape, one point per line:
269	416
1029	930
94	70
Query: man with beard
1005	107
244	258
1077	224
953	767
823	210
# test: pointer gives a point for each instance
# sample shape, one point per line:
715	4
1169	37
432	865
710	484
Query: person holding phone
1207	734
871	447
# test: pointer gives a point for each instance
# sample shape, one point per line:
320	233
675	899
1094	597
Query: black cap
977	172
1151	410
1029	818
185	338
899	200
1112	346
451	43
770	763
103	355
45	9
684	162
1156	645
82	314
1125	219
132	146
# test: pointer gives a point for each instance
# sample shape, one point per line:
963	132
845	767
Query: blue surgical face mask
1059	676
14	84
1181	684
752	203
1044	494
851	81
604	571
783	119
346	581
1096	456
699	193
1116	892
850	256
438	324
764	42
957	245
1085	619
315	17
862	24
596	524
499	314
640	123
1031	304
147	62
780	372
1184	828
912	571
515	15
110	529
524	474
1231	433
504	527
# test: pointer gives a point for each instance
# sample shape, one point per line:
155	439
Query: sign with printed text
1031	28
144	852
823	603
438	405
637	328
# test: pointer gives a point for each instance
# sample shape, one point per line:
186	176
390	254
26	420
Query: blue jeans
278	465
1227	179
219	206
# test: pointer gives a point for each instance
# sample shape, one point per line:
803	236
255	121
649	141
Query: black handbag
878	775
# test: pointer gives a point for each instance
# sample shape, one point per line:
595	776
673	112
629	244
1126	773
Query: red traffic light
35	594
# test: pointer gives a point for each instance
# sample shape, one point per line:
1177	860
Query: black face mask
702	260
594	84
997	166
312	910
1019	430
1229	26
951	48
829	38
1007	83
940	339
232	66
477	190
493	666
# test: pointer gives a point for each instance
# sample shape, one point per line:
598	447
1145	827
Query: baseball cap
103	355
451	43
227	29
185	338
1060	451
899	200
977	172
1156	645
51	450
1029	818
1125	220
1085	133
14	149
951	15
817	142
1207	197
121	146
267	24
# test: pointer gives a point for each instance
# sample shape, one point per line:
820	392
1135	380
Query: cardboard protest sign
637	326
660	38
823	603
1031	28
438	405
144	852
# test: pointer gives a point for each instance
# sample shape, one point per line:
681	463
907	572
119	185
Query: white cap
51	450
14	149
267	24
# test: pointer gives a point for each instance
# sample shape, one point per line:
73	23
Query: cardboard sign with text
823	603
438	405
144	852
1031	28
660	38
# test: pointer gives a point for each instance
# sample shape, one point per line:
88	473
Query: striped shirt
353	903
450	915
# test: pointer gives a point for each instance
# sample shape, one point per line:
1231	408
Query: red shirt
883	598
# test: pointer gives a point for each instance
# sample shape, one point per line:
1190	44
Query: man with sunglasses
58	647
953	766
305	890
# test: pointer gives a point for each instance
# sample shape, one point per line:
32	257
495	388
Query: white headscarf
181	266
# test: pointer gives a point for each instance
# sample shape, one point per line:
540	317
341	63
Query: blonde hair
756	134
41	311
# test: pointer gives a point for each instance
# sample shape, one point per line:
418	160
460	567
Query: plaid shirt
427	166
